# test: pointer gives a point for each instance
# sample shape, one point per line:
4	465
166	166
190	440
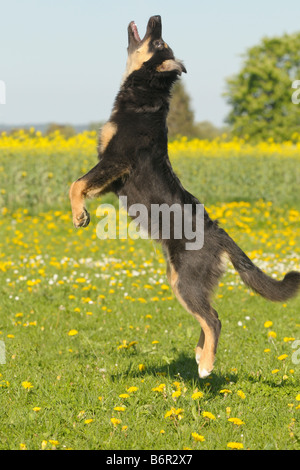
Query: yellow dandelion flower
235	445
197	437
72	332
177	385
53	442
236	421
160	388
207	414
197	395
115	421
44	445
272	334
27	385
174	413
282	357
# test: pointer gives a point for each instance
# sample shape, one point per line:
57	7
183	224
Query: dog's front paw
82	220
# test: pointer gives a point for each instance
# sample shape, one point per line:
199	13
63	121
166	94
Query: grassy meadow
98	352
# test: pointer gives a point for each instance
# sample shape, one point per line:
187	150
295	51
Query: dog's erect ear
171	65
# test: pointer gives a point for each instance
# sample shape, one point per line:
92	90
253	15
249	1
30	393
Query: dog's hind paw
203	373
82	220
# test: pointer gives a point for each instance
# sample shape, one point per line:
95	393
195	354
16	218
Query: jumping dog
134	162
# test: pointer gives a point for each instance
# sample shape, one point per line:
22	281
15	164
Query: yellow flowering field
96	351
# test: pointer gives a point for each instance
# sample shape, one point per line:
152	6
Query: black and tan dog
133	162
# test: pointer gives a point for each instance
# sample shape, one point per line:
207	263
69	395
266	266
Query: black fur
135	164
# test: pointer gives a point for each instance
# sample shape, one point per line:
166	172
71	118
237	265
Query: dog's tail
253	277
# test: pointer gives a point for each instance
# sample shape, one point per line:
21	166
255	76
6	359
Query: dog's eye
158	44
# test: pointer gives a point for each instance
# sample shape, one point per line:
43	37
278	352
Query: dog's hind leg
196	303
208	341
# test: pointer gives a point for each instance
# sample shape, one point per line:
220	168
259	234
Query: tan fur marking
137	58
224	260
106	134
199	347
94	192
76	194
169	65
206	346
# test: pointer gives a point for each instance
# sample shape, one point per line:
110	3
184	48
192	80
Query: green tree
260	95
95	125
206	130
181	116
65	129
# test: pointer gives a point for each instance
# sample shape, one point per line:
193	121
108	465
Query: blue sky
62	60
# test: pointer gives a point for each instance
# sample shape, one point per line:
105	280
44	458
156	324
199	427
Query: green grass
40	183
124	301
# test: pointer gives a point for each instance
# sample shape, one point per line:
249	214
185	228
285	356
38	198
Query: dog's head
151	54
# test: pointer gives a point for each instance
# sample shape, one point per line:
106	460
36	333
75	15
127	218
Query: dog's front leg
92	184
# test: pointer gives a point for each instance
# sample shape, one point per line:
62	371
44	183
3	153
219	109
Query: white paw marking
203	373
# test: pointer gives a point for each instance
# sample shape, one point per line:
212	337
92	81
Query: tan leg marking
106	134
79	191
205	350
199	347
79	212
